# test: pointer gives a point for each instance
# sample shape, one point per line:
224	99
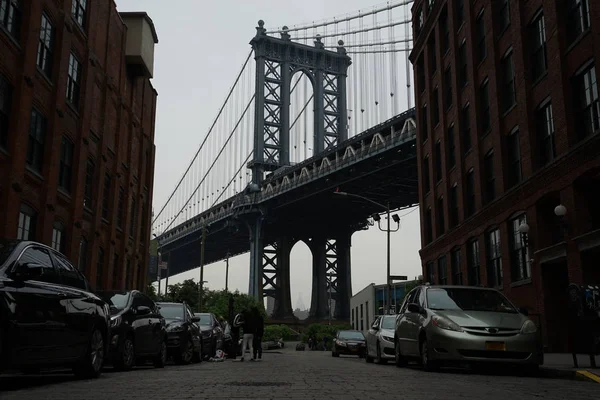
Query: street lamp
201	268
388	230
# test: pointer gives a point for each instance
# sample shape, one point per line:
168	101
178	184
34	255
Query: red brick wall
573	158
107	109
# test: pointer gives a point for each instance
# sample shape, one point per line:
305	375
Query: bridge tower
277	60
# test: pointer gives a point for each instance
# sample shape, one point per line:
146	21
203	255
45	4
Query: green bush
318	331
276	332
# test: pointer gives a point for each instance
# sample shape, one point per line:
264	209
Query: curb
588	376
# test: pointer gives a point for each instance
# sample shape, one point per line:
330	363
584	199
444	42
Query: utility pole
200	287
226	272
389	262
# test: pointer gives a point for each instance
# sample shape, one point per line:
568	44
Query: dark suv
48	316
184	342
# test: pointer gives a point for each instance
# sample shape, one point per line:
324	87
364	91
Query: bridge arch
301	278
302	116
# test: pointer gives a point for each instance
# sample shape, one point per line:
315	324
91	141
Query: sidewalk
560	365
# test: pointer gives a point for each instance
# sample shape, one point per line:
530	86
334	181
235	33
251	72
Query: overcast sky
201	47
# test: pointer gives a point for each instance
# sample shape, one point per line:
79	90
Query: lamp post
159	254
389	231
202	246
226	272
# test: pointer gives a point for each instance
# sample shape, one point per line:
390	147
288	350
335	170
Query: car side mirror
143	310
375	327
195	319
415	308
524	311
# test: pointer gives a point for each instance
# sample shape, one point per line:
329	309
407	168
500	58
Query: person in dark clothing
260	330
249	331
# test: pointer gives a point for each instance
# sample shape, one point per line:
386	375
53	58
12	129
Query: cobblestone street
291	375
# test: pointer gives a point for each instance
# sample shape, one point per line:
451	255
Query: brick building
508	122
77	114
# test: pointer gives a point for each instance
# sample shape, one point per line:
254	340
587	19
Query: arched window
27	223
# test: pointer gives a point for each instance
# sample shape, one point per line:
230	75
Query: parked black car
349	342
212	333
48	316
184	342
138	330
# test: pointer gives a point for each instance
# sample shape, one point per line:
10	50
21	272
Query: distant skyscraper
300	304
270	305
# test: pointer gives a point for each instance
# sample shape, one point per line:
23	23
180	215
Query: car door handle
62	294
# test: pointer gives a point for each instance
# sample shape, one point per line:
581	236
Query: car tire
160	360
334	354
400	361
185	355
379	360
368	358
90	366
426	362
126	359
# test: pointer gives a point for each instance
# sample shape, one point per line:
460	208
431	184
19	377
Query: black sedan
212	333
138	331
184	342
349	343
48	316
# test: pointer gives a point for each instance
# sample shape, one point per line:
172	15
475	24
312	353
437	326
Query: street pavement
291	375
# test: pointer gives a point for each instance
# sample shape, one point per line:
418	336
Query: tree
185	291
151	292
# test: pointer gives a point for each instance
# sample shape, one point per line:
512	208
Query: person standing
249	331
260	330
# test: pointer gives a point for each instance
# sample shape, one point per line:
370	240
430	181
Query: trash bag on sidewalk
219	356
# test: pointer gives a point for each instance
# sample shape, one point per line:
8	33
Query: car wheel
161	358
90	365
428	364
399	359
334	354
379	359
368	358
126	359
186	354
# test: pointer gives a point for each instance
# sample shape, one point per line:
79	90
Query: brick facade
559	251
110	124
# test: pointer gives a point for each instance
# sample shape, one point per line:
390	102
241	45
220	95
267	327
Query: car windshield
388	323
205	319
116	300
351	335
468	300
6	248
171	311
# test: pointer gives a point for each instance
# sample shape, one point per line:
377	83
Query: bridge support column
255	287
319	298
283	298
344	281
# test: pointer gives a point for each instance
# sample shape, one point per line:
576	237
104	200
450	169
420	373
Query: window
424	126
519	252
578	18
106	196
121	207
445	31
586	99
508	81
438	161
65	170
441	222
115	273
89	184
362	321
429	274
432	55
5	105
99	269
545	131
78	8
419	22
489	193
83	248
73	80
35	147
27	222
455	267
421	74
10	16
447	88
435	107
58	240
484	101
460	12
537	34
426	184
470	200
44	270
481	50
462	59
451	144
442	273
44	54
503	14
473	263
494	256
69	275
133	219
453	205
428	226
466	128
514	158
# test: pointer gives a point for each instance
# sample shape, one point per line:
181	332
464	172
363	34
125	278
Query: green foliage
276	332
318	331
